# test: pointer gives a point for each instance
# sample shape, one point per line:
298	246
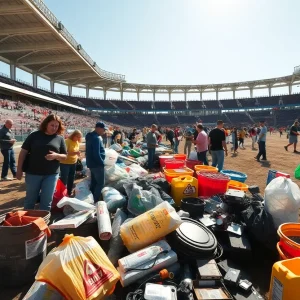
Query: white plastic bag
136	171
76	204
111	157
282	200
114	173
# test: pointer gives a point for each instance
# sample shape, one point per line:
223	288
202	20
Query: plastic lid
195	236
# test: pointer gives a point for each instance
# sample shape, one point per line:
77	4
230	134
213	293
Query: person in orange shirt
68	166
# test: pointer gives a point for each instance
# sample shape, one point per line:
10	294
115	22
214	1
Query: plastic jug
183	187
285	280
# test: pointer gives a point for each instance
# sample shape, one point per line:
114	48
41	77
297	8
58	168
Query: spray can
143	256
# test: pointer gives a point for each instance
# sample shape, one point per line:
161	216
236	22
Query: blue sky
185	41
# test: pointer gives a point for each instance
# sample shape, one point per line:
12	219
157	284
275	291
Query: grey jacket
151	139
5	137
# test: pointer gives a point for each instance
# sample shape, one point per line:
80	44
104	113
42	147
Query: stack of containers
163	158
289	244
174	173
210	184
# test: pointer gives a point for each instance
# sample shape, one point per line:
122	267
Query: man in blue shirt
262	142
95	156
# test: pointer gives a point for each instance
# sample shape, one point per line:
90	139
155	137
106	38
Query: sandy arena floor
12	193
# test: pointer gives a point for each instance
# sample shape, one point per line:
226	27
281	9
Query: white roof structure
33	39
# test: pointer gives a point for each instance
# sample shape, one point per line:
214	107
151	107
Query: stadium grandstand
34	40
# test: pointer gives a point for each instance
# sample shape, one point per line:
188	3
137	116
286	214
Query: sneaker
264	159
295	151
7	179
286	148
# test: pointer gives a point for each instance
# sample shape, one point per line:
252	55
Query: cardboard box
73	220
211	289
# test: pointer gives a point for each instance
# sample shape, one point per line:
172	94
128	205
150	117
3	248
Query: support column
34	80
138	95
104	94
185	100
121	94
153	95
70	89
87	92
270	90
251	92
233	94
201	95
290	89
217	94
52	86
13	71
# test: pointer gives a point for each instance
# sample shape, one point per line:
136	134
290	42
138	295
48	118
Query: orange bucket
282	254
285	232
236	185
180	156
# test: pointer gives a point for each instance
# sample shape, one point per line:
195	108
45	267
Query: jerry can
183	187
285	280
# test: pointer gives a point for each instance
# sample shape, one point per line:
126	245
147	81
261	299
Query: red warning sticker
94	277
189	190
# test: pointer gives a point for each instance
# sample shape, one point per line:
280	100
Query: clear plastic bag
76	204
82	191
282	200
113	198
116	246
79	269
136	171
140	201
115	173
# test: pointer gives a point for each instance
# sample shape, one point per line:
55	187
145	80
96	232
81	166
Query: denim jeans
97	182
9	162
176	144
67	175
151	154
202	157
262	150
218	159
40	185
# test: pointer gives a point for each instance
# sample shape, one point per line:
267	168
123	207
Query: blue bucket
234	175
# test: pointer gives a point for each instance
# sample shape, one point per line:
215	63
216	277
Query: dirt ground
12	193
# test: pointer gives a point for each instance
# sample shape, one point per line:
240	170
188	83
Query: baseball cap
101	125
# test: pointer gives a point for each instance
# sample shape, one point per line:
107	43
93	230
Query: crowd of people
47	154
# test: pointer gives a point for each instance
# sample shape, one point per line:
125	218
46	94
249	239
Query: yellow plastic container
174	173
285	280
236	185
203	168
183	187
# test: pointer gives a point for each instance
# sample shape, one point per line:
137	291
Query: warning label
189	190
94	277
36	246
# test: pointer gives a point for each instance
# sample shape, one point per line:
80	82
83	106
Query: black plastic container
194	206
192	240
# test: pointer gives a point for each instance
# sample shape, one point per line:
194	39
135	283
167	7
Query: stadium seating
211	104
229	104
195	105
141	105
177	105
162	105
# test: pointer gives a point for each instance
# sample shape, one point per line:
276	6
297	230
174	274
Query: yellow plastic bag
79	269
149	227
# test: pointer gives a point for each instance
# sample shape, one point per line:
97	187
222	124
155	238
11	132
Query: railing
68	36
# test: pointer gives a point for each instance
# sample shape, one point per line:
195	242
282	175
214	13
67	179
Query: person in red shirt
176	135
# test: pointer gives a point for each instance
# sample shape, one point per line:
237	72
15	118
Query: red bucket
163	158
192	163
210	184
174	164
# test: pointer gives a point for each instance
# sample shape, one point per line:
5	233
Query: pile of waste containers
185	232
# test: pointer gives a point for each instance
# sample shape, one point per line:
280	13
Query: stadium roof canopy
33	39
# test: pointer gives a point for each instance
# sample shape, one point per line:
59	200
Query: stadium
34	40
